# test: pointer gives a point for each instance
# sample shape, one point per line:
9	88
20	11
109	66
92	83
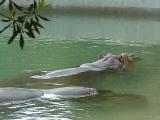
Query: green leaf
2	2
8	17
4	20
21	19
30	32
21	41
15	33
10	5
43	18
36	29
26	12
36	18
35	4
30	8
27	25
37	24
13	13
42	4
17	6
5	28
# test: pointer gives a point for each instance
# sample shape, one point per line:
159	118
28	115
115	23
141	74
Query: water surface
70	41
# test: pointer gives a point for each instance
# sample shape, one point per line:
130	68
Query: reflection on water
80	108
105	27
72	41
140	79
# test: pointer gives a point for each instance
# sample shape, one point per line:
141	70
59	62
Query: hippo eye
121	58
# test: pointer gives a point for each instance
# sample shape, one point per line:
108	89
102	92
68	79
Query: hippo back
72	91
14	94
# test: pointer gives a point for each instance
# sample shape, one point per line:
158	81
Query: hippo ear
123	54
101	55
132	56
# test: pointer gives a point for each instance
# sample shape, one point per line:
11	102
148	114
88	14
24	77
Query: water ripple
108	41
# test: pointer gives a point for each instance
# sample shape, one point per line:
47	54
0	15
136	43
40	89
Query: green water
59	47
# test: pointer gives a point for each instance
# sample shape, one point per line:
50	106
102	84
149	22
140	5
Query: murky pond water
70	41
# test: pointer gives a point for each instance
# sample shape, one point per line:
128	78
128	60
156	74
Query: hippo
16	94
107	61
10	94
72	92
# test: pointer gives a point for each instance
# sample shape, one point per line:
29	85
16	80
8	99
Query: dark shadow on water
82	79
117	101
25	80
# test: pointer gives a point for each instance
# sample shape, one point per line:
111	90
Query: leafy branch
26	23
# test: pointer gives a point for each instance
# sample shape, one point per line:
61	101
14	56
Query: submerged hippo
107	61
18	94
15	94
